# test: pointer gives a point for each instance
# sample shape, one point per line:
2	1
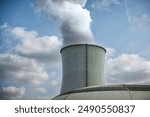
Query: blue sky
30	40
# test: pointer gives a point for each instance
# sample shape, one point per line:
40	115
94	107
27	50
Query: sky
32	32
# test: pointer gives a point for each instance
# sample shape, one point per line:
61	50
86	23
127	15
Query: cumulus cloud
73	19
23	69
32	62
12	92
110	52
55	83
139	21
105	4
128	68
4	26
29	44
80	2
41	90
142	21
44	49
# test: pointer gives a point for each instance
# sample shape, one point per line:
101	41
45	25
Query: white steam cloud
73	19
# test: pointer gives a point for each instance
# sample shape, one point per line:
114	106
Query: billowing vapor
73	19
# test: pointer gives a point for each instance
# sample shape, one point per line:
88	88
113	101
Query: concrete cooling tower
83	66
83	77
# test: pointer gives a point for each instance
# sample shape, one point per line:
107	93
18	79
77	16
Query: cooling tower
83	66
83	77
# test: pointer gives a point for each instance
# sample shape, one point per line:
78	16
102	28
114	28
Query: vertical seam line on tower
86	66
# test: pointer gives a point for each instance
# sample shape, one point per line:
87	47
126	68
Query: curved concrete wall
109	92
83	66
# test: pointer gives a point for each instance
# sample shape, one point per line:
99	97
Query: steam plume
73	19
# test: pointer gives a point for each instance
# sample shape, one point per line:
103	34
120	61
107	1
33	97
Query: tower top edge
73	45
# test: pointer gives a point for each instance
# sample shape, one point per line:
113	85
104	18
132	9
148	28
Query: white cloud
55	83
41	90
105	4
45	49
110	52
81	2
4	26
138	21
12	92
32	62
142	21
23	69
128	68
